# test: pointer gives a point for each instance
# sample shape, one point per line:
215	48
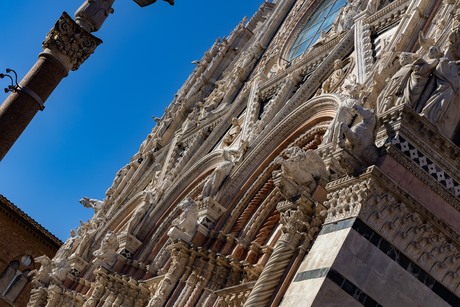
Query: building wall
22	240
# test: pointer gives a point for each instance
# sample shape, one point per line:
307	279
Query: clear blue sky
99	115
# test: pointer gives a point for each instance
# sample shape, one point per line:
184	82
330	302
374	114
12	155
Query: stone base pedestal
209	211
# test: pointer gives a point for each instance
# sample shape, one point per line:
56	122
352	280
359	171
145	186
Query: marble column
295	216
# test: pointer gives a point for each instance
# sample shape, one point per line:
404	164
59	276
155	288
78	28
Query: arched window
14	278
321	21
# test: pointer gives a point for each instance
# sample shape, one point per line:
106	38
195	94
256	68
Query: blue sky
99	115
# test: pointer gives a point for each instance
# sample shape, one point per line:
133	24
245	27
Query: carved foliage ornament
70	40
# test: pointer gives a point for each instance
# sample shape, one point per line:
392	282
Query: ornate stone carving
234	296
251	219
300	225
98	290
233	132
60	270
127	244
87	231
359	140
442	108
179	259
191	120
92	203
107	252
345	18
344	114
147	198
70	40
38	297
41	277
395	86
215	180
213	101
303	169
68	247
209	212
333	82
117	181
185	225
414	234
347	202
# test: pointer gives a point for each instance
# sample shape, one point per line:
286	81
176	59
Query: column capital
69	43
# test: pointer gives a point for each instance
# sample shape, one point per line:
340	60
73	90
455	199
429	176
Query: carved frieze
396	216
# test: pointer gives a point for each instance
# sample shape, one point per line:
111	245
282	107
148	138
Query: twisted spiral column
294	223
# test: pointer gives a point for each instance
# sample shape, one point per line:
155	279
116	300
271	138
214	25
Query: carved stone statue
87	232
443	107
140	211
163	125
41	277
233	132
68	247
215	180
92	203
372	6
185	225
117	180
214	100
345	18
360	138
335	78
344	114
396	85
92	14
60	270
453	49
191	120
107	252
417	83
305	168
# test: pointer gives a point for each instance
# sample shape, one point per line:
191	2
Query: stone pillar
363	47
66	46
294	218
180	259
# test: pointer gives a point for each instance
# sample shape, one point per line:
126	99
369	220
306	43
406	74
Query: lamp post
66	47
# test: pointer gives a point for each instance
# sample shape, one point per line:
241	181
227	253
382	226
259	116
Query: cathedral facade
310	159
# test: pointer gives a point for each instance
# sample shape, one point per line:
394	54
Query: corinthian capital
69	42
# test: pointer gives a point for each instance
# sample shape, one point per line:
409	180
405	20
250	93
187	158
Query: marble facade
330	178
